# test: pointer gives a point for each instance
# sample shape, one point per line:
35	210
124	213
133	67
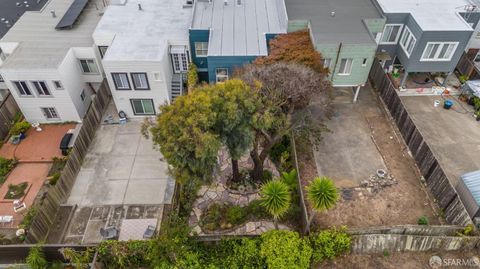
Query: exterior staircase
177	88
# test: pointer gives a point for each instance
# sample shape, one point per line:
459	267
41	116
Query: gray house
425	35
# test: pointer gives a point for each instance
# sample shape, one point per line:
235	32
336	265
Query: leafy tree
285	249
80	259
36	258
322	195
294	47
286	91
276	199
328	244
192	77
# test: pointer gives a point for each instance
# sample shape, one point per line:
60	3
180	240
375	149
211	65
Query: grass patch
16	191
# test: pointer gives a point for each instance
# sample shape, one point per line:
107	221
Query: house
425	35
226	34
49	63
145	52
344	32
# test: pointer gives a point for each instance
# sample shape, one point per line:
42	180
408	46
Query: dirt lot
403	260
403	202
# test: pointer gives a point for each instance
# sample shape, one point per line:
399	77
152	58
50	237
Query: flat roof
346	26
40	44
431	15
143	34
10	12
238	27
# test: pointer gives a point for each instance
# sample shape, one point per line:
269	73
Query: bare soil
402	203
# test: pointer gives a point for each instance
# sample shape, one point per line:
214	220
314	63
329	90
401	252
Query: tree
322	195
294	47
286	91
285	250
192	77
80	259
36	258
275	196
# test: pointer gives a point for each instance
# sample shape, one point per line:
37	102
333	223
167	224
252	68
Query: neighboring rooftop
143	34
431	15
238	27
40	44
11	10
346	25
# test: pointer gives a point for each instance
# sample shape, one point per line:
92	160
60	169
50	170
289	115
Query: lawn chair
4	220
19	206
149	232
109	233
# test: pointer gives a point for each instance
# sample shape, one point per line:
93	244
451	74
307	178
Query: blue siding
198	36
230	62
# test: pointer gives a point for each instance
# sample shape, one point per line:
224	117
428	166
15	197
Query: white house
145	52
49	63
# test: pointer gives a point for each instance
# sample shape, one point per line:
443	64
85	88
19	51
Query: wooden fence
467	68
12	254
8	110
436	180
303	207
57	195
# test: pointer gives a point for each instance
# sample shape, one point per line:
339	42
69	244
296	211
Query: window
58	85
22	88
391	33
345	67
121	81
201	49
142	106
50	113
180	62
140	81
327	62
83	96
221	74
89	66
41	88
408	41
103	50
364	63
439	51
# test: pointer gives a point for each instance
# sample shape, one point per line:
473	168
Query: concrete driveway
122	168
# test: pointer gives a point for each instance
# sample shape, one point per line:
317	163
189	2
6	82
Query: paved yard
453	135
122	168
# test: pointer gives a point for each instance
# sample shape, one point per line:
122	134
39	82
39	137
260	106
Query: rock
197	230
220	188
364	183
250	227
202	190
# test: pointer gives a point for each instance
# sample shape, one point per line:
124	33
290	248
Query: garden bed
16	191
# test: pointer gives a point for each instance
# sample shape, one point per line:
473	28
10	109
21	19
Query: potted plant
20	128
477	115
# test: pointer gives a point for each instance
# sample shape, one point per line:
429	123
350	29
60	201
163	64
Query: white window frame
221	77
201	49
345	72
143	106
140	87
438	51
23	87
121	87
364	62
91	64
405	41
41	91
60	85
327	62
50	113
399	33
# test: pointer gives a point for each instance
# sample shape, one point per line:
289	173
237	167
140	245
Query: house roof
143	34
238	27
431	15
40	45
472	182
346	26
10	11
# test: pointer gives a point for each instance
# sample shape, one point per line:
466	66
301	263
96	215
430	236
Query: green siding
297	25
375	25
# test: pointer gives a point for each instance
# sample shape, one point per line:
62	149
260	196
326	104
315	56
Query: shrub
16	191
36	258
192	76
231	253
28	218
54	178
285	249
290	178
467	231
124	254
256	210
19	127
329	244
386	253
423	220
236	214
80	259
6	165
277	150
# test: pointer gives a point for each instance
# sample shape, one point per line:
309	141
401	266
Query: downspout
336	60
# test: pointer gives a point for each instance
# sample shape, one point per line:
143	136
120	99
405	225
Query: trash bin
447	104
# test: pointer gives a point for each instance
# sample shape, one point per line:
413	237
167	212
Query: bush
256	210
285	249
423	220
6	165
278	149
329	244
54	178
28	218
124	254
19	127
16	191
236	215
36	258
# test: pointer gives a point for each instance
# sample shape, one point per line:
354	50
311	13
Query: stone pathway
217	192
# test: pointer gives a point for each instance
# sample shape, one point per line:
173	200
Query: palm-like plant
275	196
322	195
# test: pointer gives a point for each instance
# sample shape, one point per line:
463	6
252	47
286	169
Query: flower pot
22	136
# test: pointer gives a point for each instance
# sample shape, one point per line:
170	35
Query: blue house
226	34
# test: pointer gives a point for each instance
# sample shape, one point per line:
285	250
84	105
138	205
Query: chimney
140	6
53	14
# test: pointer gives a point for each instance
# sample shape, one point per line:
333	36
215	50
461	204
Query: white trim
437	52
399	33
407	41
350	69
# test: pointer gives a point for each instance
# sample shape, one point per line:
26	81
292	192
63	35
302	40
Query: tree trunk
235	171
275	223
309	222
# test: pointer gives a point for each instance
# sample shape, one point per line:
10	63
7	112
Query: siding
230	62
198	36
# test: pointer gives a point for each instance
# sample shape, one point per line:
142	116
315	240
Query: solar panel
71	15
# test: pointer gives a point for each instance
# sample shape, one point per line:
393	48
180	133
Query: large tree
286	90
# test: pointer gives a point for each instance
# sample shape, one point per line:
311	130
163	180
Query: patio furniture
109	233
18	206
149	232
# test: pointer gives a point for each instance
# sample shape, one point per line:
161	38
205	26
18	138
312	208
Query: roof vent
140	6
332	13
53	14
226	2
239	2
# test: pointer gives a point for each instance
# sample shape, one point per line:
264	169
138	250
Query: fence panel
8	110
